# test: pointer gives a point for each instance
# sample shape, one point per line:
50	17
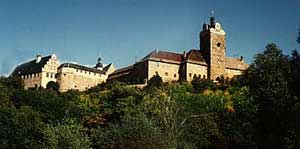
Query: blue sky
124	30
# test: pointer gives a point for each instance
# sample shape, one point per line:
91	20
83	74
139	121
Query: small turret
99	65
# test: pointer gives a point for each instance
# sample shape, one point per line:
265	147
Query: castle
208	62
42	70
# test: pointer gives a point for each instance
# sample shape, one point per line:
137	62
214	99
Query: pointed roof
31	67
195	55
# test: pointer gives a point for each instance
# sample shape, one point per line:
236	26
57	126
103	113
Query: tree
21	128
268	83
52	85
135	131
66	134
201	84
155	81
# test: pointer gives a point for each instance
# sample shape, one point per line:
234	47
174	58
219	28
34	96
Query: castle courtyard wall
195	70
166	70
71	78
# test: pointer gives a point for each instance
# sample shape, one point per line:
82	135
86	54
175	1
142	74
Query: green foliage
12	82
21	128
270	91
67	134
119	100
53	106
201	84
7	88
135	131
155	81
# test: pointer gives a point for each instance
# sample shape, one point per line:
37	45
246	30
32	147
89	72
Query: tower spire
212	19
99	65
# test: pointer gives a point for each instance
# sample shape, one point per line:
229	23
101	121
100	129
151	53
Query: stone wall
32	80
233	72
217	56
167	71
71	78
195	70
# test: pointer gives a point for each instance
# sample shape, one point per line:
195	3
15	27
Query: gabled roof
164	55
107	67
235	63
195	55
31	67
80	67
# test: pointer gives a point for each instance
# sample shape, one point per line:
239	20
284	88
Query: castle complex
208	62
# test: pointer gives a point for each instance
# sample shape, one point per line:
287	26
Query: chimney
242	59
38	58
184	54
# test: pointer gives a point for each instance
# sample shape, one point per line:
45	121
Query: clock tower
213	47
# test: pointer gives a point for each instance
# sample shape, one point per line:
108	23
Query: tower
99	65
213	46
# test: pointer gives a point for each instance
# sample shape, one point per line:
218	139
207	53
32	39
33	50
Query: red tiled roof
164	55
235	63
128	68
195	55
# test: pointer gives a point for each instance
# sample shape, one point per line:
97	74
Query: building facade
77	77
42	70
38	72
209	62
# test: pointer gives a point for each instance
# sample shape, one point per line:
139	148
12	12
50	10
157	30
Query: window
190	74
166	73
195	76
89	72
76	70
174	75
204	76
199	76
80	71
47	74
64	74
51	75
218	44
156	72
